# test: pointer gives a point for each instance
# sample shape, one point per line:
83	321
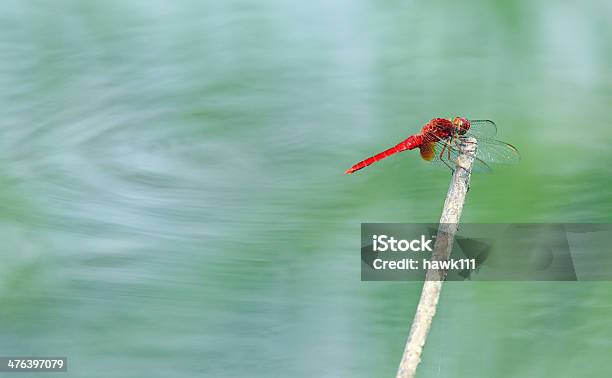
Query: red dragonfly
440	141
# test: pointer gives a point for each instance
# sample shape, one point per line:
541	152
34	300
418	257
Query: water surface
173	201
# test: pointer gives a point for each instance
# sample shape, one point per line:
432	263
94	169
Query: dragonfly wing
445	154
428	150
482	128
495	151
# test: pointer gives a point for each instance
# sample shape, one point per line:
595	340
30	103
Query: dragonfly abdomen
410	143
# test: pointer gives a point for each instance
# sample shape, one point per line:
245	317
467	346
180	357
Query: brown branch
434	278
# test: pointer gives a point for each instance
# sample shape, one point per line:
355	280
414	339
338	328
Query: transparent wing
495	151
482	128
444	153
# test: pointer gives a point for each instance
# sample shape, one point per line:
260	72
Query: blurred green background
173	202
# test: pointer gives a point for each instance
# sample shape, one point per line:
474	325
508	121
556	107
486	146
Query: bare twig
434	278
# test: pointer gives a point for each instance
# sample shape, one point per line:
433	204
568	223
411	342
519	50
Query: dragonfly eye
462	125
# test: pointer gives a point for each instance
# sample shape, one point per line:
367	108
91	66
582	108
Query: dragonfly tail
408	144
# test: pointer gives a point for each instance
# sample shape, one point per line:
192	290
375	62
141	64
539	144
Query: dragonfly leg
441	157
449	167
442	152
443	160
446	147
452	143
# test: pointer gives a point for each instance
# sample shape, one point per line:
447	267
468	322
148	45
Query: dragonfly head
462	124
